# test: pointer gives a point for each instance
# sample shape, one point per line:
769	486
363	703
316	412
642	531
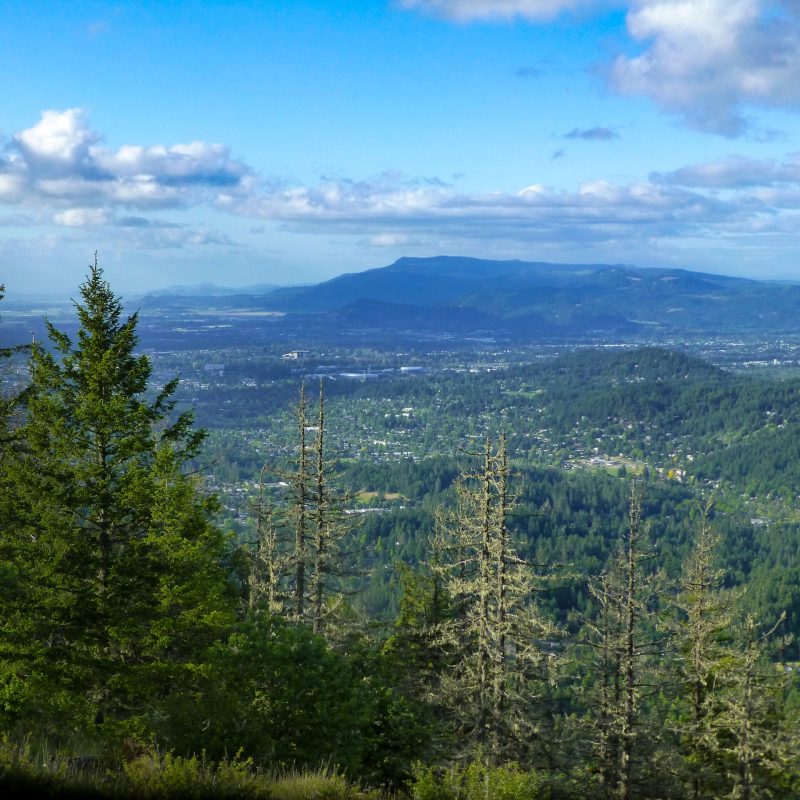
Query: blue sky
289	142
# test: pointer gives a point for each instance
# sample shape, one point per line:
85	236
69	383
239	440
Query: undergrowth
27	771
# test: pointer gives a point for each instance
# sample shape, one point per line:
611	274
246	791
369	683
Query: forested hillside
529	300
579	579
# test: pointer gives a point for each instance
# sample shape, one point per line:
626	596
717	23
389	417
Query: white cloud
659	220
597	211
59	162
58	174
708	60
387	195
82	217
12	187
735	173
390	240
59	138
470	10
196	161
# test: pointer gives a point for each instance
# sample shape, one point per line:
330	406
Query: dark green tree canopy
119	576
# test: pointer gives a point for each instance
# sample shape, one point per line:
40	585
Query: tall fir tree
496	630
297	565
756	734
119	575
266	586
329	527
625	641
704	662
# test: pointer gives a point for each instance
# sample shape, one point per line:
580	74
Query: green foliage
411	647
168	776
117	578
28	771
162	776
276	692
476	781
131	664
496	635
171	776
297	564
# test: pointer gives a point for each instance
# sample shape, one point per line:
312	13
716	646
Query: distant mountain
456	294
212	290
438	281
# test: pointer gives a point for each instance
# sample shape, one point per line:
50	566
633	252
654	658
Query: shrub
476	781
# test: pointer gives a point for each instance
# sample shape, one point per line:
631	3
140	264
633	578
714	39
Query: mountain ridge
530	298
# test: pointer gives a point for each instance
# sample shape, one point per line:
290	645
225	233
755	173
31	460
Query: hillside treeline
143	649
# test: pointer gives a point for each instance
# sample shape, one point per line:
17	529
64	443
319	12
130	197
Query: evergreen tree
328	529
496	631
705	664
625	642
755	733
300	487
297	562
119	577
412	646
734	736
265	586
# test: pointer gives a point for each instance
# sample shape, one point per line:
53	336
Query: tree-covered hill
444	587
650	405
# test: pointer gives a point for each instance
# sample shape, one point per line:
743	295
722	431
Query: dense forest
512	631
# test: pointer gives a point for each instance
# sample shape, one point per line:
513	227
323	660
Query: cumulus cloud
470	10
735	173
707	60
725	203
59	162
60	140
82	217
12	184
386	210
387	195
59	174
596	134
